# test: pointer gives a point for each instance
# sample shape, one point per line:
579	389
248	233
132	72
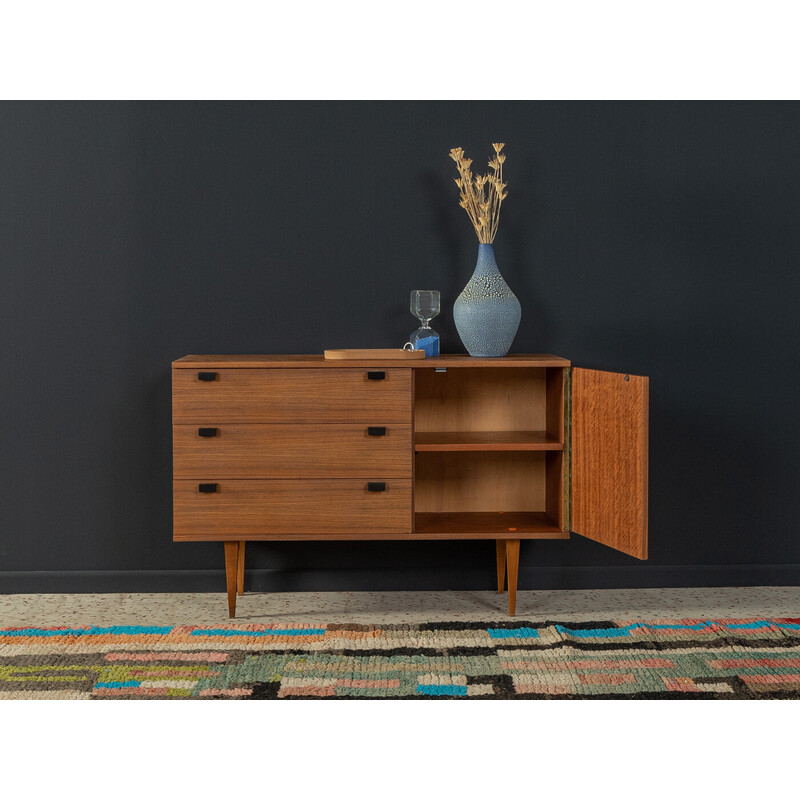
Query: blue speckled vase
487	312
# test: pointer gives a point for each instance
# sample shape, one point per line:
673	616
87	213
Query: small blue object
430	344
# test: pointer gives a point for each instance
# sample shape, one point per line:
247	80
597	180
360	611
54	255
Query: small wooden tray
366	354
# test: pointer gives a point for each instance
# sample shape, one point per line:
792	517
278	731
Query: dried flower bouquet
481	195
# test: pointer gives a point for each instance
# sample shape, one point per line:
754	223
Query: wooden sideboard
276	448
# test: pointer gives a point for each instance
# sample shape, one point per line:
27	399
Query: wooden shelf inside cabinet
489	525
463	441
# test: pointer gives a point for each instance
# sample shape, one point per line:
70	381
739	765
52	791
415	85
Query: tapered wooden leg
501	565
231	563
512	559
240	571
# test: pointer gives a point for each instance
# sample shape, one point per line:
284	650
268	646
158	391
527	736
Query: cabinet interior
489	448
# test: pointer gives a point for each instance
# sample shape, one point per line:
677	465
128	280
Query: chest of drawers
291	452
269	448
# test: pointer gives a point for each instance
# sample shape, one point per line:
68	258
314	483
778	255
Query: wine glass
425	306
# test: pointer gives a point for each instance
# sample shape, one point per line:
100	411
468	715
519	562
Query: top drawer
291	395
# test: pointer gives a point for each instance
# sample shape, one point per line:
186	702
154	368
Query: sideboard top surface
299	361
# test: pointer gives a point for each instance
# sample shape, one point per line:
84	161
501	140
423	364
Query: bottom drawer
265	508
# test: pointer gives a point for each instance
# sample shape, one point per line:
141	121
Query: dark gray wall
651	237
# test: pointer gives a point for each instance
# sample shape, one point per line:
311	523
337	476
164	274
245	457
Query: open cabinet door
609	423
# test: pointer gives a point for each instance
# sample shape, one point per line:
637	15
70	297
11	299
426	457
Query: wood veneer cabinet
275	448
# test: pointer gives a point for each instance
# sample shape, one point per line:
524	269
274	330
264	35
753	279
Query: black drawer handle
374	486
208	488
375	431
207	432
376	376
206	376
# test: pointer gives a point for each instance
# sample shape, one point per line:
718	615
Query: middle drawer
292	451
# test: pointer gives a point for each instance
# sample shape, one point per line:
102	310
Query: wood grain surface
489	525
360	355
451	441
232	550
465	400
293	451
556	386
303	395
480	481
306	361
554	487
512	571
251	509
609	459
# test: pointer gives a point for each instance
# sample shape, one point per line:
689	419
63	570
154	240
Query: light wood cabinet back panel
480	481
240	508
296	395
488	399
354	450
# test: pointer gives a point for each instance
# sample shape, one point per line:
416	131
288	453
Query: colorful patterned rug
662	659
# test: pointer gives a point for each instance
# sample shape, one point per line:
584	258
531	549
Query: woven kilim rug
697	659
